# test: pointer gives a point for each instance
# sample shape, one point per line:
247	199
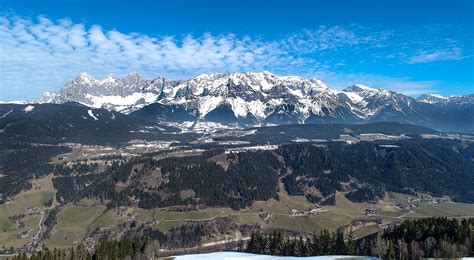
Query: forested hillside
20	163
365	171
368	169
177	181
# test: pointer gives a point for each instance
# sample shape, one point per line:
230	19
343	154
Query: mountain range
262	98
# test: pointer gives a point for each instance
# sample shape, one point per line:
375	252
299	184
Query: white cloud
77	36
40	54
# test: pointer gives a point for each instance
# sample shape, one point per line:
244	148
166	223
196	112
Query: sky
412	47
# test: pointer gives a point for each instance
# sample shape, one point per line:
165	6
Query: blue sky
413	47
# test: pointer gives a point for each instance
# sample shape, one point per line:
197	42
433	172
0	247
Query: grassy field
442	210
277	214
28	200
300	223
284	206
73	223
165	220
366	230
42	191
5	223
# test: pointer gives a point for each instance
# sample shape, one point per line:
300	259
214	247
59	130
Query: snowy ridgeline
242	256
251	95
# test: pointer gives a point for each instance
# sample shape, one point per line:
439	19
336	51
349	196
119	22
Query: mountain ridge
261	98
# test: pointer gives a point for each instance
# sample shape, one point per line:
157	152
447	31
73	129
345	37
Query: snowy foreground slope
242	256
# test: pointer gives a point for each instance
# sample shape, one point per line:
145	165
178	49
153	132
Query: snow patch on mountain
91	114
257	108
6	114
354	97
358	88
98	101
433	98
28	108
239	106
16	102
438	96
208	104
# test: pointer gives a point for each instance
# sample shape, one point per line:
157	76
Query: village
308	212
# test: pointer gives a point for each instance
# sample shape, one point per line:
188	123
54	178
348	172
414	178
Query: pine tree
402	249
339	245
325	240
415	250
299	247
288	247
366	248
391	251
275	243
315	245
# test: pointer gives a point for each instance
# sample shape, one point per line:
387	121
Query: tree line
413	239
125	248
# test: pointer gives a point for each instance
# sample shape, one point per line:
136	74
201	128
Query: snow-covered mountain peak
133	76
257	94
263	82
110	79
84	75
432	98
113	93
84	78
437	96
371	93
358	88
219	83
248	97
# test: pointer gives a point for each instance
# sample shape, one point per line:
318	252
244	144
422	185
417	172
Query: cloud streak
425	56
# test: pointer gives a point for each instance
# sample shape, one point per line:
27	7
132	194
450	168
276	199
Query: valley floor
21	218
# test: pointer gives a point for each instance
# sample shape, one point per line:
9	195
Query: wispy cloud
41	54
425	56
431	43
63	43
323	38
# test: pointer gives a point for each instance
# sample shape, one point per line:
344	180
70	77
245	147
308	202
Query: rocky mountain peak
358	88
84	78
252	97
432	98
